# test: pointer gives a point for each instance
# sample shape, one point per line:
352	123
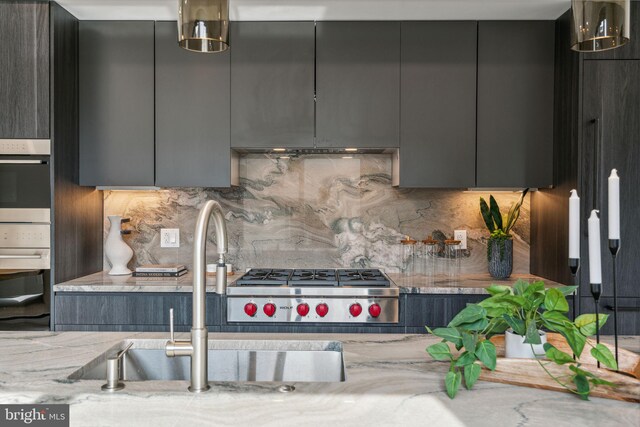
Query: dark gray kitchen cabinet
434	310
192	146
438	104
272	84
116	84
24	69
358	84
515	103
611	94
130	311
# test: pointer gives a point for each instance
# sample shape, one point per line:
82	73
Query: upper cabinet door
24	70
438	104
272	69
192	114
358	84
116	103
515	103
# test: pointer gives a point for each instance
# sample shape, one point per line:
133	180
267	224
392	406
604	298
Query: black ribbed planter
500	260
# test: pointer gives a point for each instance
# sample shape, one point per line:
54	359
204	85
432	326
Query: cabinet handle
20	256
23	162
610	308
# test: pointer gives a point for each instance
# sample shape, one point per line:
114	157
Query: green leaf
516	324
533	288
567	290
478	325
469	341
495	212
439	351
514	212
555	301
533	302
574	338
559	357
486	353
452	382
486	215
471	374
602	353
498	290
582	385
586	323
532	336
600	381
465	359
496	326
520	287
469	314
553	319
450	334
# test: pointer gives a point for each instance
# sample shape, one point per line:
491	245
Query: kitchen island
389	381
100	302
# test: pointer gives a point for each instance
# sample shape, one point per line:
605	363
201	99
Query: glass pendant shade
203	25
599	25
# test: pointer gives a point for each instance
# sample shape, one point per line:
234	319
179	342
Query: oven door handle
23	162
20	256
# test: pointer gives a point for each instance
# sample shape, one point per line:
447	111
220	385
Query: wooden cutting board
529	373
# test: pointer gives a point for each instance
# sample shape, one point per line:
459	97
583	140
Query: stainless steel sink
229	360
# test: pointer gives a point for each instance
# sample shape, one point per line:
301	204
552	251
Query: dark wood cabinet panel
77	212
24	67
434	310
515	104
116	103
611	90
133	311
438	104
630	50
272	84
357	84
192	96
628	314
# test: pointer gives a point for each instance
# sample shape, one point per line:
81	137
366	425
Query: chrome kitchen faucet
197	347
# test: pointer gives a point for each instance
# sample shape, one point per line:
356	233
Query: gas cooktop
315	278
313	295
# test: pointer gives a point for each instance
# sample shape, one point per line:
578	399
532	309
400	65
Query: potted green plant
526	309
500	244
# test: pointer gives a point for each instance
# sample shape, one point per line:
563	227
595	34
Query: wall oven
25	232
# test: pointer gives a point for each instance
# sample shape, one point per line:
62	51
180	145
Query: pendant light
599	25
203	25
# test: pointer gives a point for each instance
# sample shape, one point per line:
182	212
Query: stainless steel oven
25	231
25	174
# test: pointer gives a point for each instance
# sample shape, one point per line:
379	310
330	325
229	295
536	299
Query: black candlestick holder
574	266
614	247
596	291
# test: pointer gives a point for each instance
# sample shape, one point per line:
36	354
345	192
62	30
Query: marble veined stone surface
390	381
314	211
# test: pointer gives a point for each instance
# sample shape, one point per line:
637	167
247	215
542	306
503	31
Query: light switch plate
462	236
170	238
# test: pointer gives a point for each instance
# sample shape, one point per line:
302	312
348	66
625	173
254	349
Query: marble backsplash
313	211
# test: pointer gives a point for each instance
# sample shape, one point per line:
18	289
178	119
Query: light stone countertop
390	381
409	284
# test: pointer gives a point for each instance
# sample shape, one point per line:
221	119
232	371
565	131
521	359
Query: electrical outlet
462	236
170	238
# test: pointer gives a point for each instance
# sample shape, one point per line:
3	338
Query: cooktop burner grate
315	278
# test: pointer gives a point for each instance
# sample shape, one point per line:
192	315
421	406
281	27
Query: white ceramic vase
516	348
118	252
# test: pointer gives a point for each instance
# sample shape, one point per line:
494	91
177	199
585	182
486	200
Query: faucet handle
171	337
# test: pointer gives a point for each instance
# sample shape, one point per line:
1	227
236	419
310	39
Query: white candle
595	267
614	205
574	225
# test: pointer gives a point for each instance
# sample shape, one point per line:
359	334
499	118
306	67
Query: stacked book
161	270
